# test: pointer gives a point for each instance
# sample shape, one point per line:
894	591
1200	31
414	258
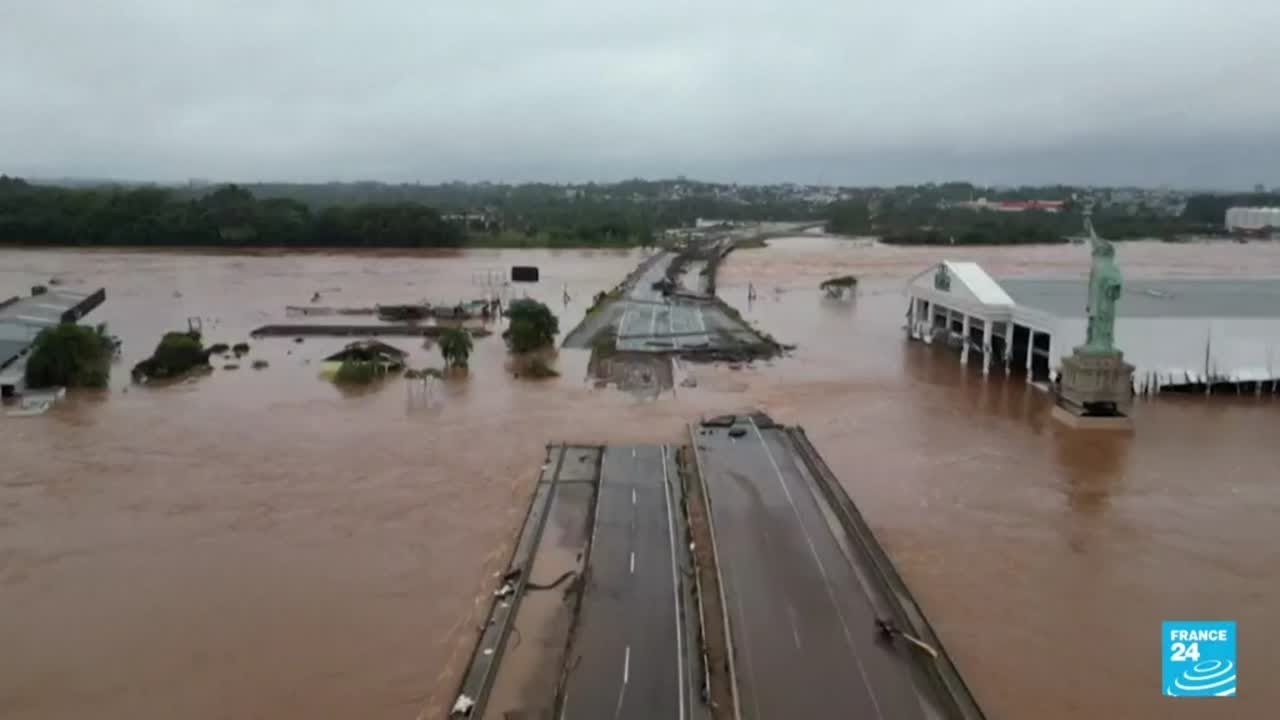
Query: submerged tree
455	347
533	326
71	355
177	354
357	372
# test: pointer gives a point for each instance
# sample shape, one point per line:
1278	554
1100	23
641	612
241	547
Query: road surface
648	327
802	625
629	658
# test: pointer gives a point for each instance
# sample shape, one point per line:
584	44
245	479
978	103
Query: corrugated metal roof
10	350
982	285
22	320
1175	297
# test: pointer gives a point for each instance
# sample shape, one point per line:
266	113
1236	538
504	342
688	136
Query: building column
1031	348
986	346
1008	347
964	330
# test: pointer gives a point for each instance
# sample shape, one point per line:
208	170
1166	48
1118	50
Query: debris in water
462	707
837	286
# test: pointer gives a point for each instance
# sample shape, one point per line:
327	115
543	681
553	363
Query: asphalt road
802	625
648	326
628	658
642	288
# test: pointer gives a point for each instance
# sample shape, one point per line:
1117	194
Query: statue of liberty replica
1096	386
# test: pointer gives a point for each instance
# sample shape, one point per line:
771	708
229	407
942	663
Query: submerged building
1177	332
21	319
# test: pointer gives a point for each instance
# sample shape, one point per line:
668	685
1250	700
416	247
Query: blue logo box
1199	658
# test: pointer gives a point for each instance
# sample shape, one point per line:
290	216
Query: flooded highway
264	544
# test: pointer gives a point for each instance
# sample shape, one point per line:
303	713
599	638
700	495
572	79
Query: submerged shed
369	351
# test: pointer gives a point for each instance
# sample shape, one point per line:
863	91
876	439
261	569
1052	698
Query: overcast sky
1180	92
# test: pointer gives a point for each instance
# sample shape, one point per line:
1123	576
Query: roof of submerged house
368	347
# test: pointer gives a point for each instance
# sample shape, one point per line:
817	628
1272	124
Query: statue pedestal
1123	423
1096	390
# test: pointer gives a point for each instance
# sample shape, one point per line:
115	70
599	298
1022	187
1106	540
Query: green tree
455	347
177	353
71	355
356	372
533	326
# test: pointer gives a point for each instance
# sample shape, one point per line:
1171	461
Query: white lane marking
633	562
675	582
795	629
633	454
633	496
626	674
826	580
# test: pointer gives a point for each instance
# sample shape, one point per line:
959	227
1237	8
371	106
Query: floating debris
462	706
837	286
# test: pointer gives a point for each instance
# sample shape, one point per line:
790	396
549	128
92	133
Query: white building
1253	219
1176	332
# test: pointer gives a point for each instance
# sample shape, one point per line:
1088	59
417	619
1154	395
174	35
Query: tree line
927	224
624	213
357	215
230	216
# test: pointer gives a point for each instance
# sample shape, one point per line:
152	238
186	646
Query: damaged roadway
816	623
802	605
646	315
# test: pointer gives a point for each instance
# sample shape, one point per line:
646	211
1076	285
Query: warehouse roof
22	319
1174	297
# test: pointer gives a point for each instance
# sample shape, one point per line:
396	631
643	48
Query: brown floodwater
259	543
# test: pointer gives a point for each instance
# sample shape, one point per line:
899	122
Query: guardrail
715	554
481	668
907	613
697	577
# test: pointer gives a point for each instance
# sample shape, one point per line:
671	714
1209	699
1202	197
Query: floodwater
263	544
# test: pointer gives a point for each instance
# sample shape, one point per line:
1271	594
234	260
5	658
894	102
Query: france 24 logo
1199	658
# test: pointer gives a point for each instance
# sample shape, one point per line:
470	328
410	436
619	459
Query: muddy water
262	544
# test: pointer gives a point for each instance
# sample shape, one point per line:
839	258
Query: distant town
632	212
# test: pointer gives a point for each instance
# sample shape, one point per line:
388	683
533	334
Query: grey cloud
1146	91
